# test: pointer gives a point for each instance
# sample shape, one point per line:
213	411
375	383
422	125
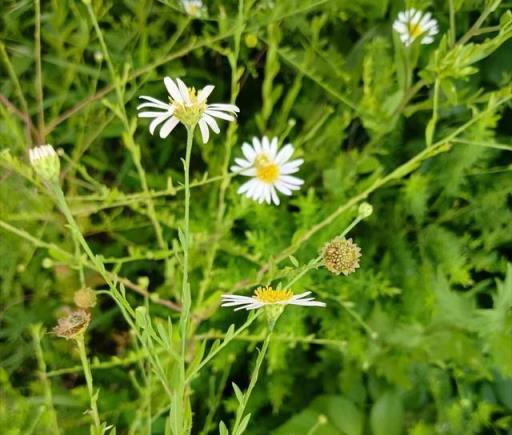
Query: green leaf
386	417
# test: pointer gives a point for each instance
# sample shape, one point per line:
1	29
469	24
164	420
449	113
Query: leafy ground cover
416	340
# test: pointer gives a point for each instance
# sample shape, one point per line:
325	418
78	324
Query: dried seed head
72	325
341	255
85	298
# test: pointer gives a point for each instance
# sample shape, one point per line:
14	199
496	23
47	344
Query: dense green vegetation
417	340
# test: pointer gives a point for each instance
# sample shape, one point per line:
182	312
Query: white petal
283	188
301	295
275	197
156	122
205	134
291	167
399	27
415	19
427	40
290	179
241	162
283	155
217	114
265	144
273	148
246	186
224	107
425	20
235	303
268	195
256	145
151	99
211	122
168	126
154	114
249	152
250	307
183	91
173	90
257	192
237	297
308	303
204	93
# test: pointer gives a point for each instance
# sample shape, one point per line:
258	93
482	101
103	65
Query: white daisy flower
270	170
45	161
265	296
193	8
186	106
413	24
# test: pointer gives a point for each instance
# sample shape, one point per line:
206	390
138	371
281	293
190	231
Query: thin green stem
431	126
452	23
90	388
43	376
227	340
39	75
237	429
314	428
185	288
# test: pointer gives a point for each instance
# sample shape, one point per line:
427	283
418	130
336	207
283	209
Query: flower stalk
185	241
96	429
241	422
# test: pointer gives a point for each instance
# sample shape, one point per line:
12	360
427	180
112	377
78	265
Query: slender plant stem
226	341
254	378
185	295
452	23
39	74
43	375
90	388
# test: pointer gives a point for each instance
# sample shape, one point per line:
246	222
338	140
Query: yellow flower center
415	30
268	295
189	114
266	170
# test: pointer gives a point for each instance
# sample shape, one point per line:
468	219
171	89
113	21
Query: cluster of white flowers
268	166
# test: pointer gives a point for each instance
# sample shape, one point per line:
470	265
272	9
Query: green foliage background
417	341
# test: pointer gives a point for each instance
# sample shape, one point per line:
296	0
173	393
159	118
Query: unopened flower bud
45	162
322	419
341	255
251	40
85	298
72	325
47	263
193	8
365	210
98	56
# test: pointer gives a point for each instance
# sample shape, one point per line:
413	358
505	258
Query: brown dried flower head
72	325
341	255
85	298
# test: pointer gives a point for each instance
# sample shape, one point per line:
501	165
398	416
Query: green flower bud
365	210
45	162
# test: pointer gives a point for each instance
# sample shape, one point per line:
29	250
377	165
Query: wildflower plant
318	244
